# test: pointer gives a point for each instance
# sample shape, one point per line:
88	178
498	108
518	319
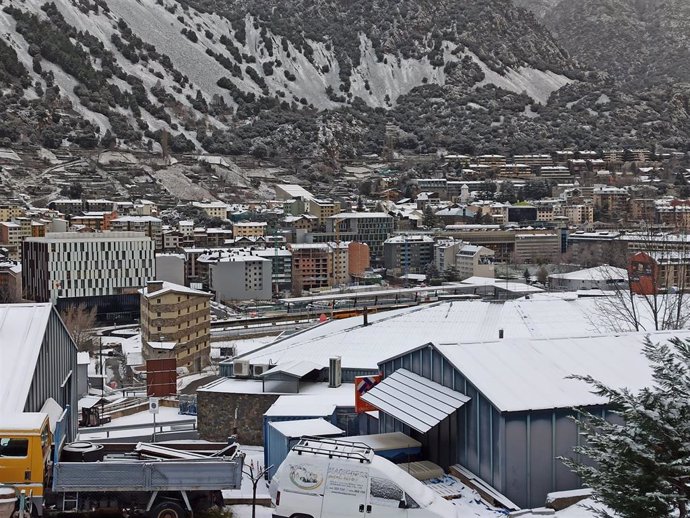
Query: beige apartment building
249	229
176	322
9	212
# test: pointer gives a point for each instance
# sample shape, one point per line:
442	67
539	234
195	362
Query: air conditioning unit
241	368
335	372
258	370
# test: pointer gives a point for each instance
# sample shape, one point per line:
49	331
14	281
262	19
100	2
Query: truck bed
126	473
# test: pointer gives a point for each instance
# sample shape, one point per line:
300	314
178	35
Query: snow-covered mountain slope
256	62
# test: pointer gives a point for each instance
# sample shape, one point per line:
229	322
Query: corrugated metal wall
56	372
514	452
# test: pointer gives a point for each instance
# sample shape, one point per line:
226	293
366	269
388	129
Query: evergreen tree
429	218
641	463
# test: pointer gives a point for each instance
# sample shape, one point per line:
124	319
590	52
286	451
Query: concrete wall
228	281
170	268
216	416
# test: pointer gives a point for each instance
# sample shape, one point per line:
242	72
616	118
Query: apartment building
236	274
408	254
612	202
323	209
474	261
9	211
579	214
214	209
281	266
249	229
534	160
70	264
10	282
676	215
445	251
312	266
149	225
372	228
176	320
96	220
11	237
536	247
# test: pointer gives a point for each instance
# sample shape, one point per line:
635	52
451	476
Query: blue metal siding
55	375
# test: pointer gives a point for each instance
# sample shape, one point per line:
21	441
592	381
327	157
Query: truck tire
167	509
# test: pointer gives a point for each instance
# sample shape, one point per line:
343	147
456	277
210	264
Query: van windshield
419	493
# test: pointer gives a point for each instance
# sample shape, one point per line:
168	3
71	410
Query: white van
323	478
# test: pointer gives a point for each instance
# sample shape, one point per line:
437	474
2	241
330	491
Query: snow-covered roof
527	374
21	421
302	427
465	321
360	215
505	285
598	273
166	346
22	328
170	287
301	406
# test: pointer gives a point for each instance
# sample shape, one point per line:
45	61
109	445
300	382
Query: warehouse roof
22	328
526	374
465	321
598	273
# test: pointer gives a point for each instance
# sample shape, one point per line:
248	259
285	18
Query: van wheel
301	516
167	509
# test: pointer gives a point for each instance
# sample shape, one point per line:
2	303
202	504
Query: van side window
384	492
14	447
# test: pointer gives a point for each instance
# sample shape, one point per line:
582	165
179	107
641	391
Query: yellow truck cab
25	446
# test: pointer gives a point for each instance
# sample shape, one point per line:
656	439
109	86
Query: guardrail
179	425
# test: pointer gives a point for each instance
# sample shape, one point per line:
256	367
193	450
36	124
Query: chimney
500	334
365	314
153	286
335	372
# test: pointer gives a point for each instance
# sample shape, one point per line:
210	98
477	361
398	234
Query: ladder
70	501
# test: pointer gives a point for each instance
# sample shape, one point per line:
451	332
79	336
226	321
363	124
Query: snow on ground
176	183
143	422
242	346
245	511
253	454
538	84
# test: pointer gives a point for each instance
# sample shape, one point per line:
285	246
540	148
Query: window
383	492
10	447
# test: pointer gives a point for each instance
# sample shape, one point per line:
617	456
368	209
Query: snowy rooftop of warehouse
598	273
467	321
22	327
526	374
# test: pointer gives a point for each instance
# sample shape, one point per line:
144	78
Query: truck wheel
167	509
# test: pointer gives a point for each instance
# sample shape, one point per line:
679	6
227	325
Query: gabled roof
22	328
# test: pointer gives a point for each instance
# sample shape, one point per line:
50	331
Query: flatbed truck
85	477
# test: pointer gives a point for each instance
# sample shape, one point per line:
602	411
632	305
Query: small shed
297	408
283	435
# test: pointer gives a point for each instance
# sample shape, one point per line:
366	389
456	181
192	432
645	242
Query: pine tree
641	463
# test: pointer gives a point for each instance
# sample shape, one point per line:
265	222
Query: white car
323	478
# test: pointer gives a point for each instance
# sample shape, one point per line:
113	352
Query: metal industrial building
39	362
501	409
